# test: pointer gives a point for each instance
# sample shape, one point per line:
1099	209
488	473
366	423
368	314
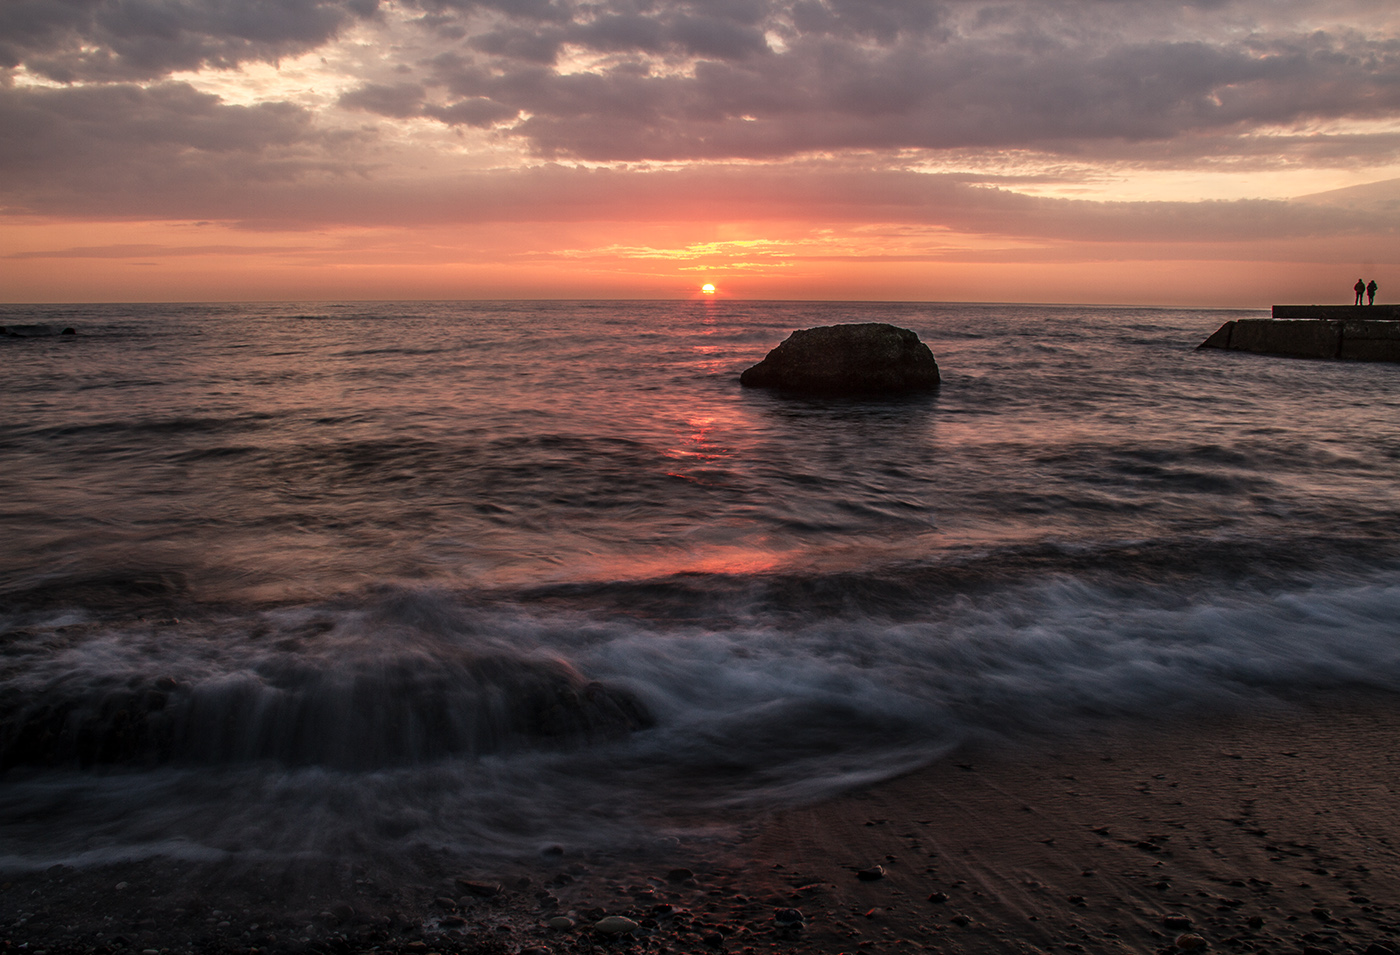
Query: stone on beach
615	925
847	360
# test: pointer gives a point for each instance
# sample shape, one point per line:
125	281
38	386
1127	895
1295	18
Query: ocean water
310	580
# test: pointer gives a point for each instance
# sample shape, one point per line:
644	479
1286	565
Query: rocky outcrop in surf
872	359
385	713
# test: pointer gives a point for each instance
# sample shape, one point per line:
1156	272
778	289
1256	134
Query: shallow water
289	579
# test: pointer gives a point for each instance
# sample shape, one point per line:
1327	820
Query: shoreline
1271	831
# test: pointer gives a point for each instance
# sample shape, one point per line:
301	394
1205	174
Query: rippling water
322	578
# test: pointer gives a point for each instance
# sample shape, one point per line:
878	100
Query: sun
707	288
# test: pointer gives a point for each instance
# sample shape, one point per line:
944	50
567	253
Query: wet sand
1275	833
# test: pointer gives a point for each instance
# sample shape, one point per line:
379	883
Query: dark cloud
398	101
892	75
881	20
115	149
113	40
479	112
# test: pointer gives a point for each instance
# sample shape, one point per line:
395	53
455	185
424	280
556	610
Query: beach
1273	832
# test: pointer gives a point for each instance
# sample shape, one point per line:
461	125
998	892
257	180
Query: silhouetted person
1371	293
1360	288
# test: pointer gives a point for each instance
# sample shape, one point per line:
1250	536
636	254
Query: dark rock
477	703
33	331
788	917
679	875
872	874
847	360
1176	922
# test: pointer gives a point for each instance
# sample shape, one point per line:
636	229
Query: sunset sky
1222	152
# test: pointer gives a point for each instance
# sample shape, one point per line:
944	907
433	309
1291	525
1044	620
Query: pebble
871	874
1176	921
560	922
938	897
484	889
1190	942
679	875
788	917
615	925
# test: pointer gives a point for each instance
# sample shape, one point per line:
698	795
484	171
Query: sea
302	581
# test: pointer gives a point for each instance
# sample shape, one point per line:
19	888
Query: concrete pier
1341	332
1339	312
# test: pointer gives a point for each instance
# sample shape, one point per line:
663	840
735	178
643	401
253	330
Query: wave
408	717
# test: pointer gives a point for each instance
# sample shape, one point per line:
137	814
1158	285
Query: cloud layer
945	114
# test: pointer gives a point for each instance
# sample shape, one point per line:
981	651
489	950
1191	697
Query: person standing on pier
1370	294
1360	289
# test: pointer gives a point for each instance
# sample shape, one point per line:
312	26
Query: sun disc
707	288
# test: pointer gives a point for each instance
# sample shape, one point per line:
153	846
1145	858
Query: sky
1220	152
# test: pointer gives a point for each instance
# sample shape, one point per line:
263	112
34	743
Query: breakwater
1344	332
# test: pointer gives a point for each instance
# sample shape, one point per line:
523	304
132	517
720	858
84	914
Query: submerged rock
847	360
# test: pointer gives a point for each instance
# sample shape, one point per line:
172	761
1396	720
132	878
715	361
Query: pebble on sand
483	889
871	874
1190	942
615	925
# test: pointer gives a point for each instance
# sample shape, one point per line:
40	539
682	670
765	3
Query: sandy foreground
1274	833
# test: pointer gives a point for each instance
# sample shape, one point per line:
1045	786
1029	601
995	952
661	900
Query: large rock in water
868	359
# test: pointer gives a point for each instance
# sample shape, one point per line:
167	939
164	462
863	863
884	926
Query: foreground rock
848	360
361	714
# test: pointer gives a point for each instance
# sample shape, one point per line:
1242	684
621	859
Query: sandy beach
1269	833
